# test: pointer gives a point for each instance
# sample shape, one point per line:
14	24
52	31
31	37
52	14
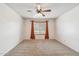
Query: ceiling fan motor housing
39	11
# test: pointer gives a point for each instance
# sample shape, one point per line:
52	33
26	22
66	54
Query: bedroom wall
10	29
67	29
27	30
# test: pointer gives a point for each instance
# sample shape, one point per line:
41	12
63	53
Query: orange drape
32	30
46	33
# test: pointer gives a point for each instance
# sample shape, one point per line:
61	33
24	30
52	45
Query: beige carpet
41	48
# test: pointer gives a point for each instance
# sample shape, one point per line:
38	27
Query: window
39	27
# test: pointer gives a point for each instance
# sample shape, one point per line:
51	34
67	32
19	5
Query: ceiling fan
39	10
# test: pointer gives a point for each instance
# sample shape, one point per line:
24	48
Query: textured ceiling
57	9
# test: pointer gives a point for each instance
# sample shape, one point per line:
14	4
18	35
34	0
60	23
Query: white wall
28	29
67	29
10	29
51	27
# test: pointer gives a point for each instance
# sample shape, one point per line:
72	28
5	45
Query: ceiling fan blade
29	10
42	14
48	10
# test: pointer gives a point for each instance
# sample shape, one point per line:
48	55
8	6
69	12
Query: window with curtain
40	28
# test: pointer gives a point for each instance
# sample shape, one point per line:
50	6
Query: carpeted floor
41	48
